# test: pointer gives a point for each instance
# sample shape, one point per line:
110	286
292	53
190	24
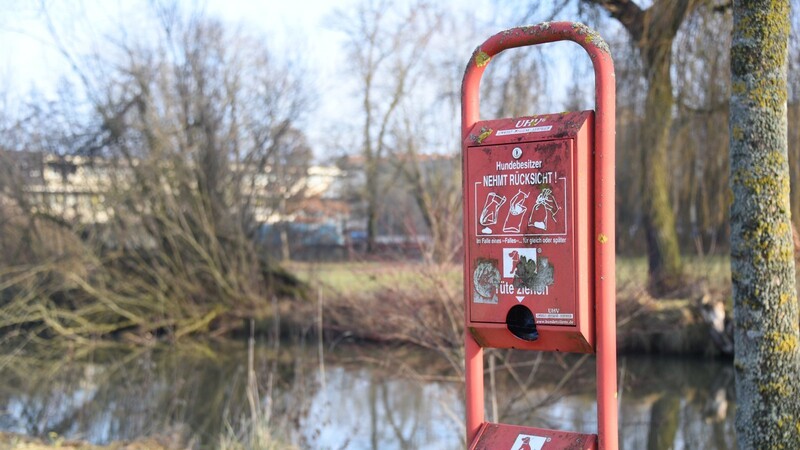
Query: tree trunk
664	259
286	254
653	30
767	356
372	226
371	197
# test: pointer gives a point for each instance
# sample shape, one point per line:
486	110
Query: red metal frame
604	213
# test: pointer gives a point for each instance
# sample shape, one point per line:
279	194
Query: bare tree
653	31
699	154
435	184
384	44
189	136
286	171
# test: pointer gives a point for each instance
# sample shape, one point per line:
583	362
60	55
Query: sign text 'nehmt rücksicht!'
519	179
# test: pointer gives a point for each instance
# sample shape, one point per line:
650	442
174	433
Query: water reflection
666	403
358	401
362	409
121	394
678	403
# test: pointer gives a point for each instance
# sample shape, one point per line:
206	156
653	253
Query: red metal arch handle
542	33
604	210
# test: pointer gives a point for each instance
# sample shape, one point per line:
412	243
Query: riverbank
12	441
386	303
401	302
423	304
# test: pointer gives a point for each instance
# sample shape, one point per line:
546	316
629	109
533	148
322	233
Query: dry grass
423	303
13	441
366	278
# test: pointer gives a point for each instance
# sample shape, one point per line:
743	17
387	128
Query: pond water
358	397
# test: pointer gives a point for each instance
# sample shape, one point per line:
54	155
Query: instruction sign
522	196
521	220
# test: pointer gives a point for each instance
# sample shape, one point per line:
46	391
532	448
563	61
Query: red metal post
474	381
604	211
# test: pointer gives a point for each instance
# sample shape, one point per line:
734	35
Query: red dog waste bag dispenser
539	238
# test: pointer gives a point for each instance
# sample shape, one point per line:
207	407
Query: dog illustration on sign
529	442
527	263
528	269
516	260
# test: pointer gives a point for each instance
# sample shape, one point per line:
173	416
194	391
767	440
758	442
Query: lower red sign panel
493	436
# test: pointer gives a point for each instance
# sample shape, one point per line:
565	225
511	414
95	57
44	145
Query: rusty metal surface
494	436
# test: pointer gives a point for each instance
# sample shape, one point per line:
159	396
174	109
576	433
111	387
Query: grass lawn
356	279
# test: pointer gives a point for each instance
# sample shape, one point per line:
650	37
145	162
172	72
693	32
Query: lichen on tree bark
767	356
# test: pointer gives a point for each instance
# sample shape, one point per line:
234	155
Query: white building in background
75	187
72	188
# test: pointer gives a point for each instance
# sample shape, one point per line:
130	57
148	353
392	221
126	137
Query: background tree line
196	121
185	127
672	63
